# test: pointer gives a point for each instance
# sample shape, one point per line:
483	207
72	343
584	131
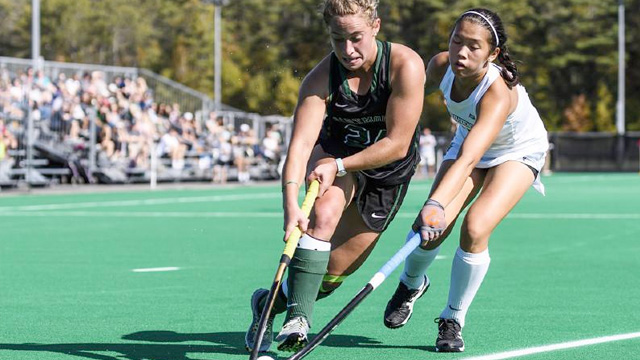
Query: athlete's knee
327	215
329	284
476	227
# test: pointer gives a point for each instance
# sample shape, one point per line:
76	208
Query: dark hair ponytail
509	69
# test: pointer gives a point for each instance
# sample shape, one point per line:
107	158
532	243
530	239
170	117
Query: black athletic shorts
378	199
378	204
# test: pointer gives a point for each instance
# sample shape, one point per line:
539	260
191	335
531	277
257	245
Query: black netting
594	152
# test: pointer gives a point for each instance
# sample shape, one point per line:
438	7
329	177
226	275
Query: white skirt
533	156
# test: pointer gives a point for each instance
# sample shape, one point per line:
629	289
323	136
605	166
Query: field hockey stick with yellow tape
285	259
375	281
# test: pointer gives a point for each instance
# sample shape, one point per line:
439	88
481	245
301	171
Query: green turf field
565	268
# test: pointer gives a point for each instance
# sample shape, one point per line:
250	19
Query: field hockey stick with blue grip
375	281
285	259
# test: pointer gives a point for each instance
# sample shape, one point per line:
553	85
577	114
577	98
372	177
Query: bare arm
403	112
493	110
307	121
436	69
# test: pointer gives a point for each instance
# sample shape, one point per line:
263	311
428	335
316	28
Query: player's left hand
431	221
325	172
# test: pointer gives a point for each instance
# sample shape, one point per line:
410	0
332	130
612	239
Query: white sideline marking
159	269
179	200
226	214
574	216
554	347
146	214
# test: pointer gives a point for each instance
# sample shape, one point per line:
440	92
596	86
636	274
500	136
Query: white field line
227	214
574	216
158	269
145	214
178	200
554	347
545	178
585	178
217	198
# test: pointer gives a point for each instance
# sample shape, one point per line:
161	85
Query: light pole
620	121
217	51
35	55
35	30
620	106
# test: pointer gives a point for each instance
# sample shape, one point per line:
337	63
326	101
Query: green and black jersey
354	122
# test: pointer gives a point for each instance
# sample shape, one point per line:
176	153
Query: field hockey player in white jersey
497	153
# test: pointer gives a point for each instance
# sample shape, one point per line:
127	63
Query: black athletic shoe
256	310
449	336
400	307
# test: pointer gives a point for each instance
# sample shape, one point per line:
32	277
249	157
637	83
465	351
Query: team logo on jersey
463	122
360	120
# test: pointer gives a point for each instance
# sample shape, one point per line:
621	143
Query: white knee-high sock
467	272
416	264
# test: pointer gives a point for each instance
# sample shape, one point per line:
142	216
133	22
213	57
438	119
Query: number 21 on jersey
361	137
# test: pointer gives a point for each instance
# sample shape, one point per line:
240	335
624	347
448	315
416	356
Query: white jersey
522	138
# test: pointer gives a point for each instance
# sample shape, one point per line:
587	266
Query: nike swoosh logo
341	105
454	309
376	216
292	305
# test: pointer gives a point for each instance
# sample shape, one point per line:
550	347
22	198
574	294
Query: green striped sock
306	271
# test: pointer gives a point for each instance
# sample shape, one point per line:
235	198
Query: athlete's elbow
399	152
469	162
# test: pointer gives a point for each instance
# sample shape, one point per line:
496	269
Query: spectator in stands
171	147
214	124
222	157
107	144
271	145
174	113
27	78
187	125
73	84
7	141
141	135
17	91
43	81
243	151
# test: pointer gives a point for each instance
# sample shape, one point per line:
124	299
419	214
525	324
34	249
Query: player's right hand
294	216
431	222
325	172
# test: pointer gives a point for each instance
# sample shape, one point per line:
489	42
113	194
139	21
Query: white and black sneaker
400	307
250	336
449	336
293	335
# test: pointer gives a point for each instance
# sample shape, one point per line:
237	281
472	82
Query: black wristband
434	203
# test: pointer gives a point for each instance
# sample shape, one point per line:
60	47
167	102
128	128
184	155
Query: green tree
605	110
578	115
565	48
286	93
